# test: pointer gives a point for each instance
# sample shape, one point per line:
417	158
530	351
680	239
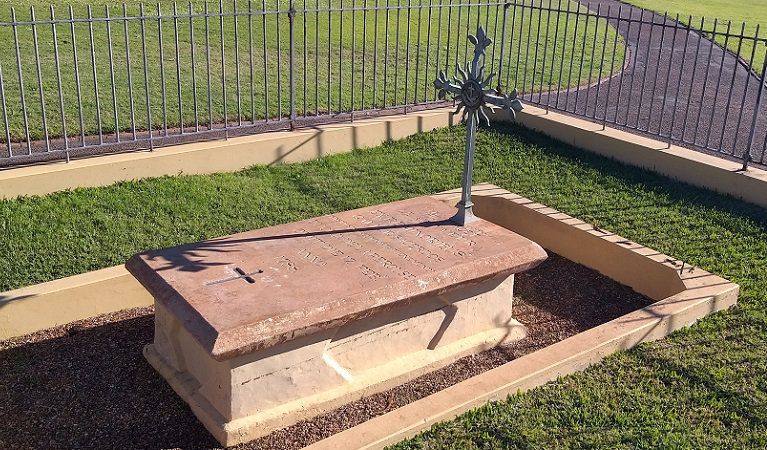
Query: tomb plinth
259	330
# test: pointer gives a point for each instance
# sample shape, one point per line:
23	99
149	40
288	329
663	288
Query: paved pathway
713	105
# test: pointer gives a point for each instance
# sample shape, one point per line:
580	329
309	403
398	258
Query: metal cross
472	92
241	274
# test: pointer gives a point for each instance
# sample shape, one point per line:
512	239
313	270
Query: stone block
259	330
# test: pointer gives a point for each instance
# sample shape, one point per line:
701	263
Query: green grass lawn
349	67
752	13
703	387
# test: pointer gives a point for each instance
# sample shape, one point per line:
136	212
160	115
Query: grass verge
703	387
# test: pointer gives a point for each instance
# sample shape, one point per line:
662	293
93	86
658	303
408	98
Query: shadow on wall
6	300
286	154
375	132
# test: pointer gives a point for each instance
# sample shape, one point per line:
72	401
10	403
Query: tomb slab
260	329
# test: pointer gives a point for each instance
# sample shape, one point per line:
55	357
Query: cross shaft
474	95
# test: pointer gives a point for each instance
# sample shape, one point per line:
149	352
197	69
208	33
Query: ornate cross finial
471	90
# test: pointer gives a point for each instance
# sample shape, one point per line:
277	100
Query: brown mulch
87	385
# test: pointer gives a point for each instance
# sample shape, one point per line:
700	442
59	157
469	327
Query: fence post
292	17
752	135
146	79
498	88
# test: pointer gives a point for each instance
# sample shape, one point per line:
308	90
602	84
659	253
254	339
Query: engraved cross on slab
241	275
473	95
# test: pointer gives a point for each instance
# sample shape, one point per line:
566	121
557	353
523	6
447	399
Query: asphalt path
675	83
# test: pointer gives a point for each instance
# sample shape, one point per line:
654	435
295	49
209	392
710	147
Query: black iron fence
701	86
87	80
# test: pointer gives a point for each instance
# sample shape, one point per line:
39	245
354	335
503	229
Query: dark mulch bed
87	385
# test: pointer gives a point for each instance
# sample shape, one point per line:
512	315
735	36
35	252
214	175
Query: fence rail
96	80
683	83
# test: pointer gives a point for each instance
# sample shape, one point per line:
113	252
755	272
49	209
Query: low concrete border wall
308	143
701	294
565	357
46	305
676	162
684	294
219	156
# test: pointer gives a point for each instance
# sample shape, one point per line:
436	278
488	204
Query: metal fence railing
700	86
85	80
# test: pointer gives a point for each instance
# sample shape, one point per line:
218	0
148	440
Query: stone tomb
259	330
